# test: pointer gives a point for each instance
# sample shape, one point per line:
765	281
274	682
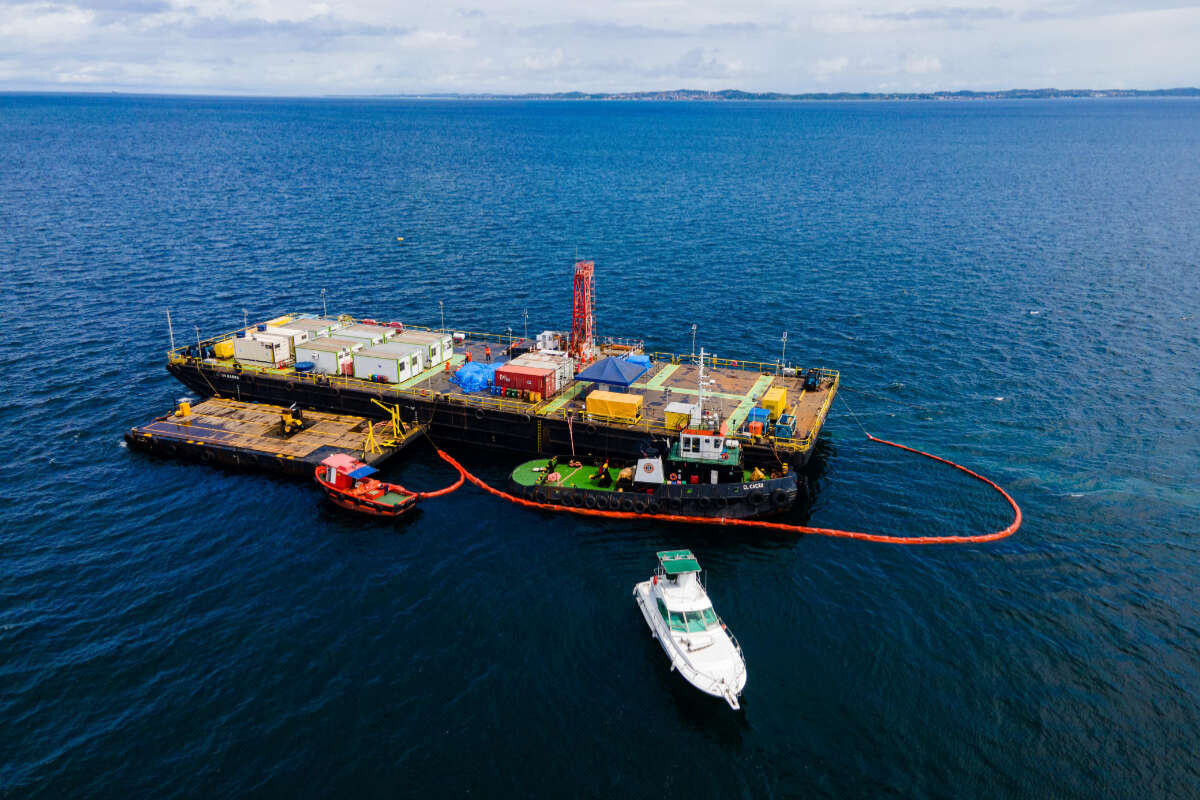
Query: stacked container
329	356
295	336
540	379
262	349
562	364
414	352
367	334
377	363
315	327
438	346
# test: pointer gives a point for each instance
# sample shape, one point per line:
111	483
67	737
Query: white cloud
300	46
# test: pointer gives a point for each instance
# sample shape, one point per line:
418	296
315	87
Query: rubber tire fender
756	497
589	501
539	495
704	502
479	413
640	507
676	503
627	504
653	507
778	497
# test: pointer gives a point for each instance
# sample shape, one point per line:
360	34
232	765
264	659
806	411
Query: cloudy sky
380	46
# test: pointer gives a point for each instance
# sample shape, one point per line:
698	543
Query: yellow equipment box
614	405
775	401
223	349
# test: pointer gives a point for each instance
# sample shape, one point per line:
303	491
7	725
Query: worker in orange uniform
487	352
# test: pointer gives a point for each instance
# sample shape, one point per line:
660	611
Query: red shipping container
535	379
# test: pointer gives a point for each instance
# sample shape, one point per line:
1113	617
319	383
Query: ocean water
1012	285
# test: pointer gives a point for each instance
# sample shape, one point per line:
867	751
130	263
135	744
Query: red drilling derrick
583	318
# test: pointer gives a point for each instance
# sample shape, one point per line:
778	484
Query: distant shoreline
676	95
736	94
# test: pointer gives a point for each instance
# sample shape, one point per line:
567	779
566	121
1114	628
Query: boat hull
720	500
366	505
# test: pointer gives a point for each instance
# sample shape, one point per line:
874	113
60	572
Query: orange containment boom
778	526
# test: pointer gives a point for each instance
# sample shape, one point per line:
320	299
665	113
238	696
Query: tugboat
681	617
348	482
702	475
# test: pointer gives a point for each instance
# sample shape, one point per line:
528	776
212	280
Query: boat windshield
688	621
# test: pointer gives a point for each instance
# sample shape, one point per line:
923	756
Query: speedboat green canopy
677	562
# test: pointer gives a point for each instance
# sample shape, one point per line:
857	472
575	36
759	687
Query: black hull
727	500
451	421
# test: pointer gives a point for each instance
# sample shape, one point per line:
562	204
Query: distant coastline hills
737	94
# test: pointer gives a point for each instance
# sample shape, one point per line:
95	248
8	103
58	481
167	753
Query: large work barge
559	424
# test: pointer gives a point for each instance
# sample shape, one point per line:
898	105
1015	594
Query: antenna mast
170	330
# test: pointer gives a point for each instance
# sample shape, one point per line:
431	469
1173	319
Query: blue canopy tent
613	371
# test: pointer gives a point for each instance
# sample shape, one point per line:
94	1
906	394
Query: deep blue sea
1012	285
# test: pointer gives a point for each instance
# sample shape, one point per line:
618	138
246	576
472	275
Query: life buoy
778	497
589	501
724	456
674	476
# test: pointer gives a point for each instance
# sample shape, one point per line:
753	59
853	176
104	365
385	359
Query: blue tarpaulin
613	371
474	377
642	361
362	472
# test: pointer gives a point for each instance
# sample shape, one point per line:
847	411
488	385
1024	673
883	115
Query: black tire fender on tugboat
756	497
704	502
676	503
539	495
653	507
640	507
627	504
591	427
778	497
589	501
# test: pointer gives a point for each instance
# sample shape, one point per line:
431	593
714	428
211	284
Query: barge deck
241	434
556	425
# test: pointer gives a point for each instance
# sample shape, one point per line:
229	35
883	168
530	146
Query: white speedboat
681	617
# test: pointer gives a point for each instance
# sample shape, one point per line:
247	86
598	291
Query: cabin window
675	619
702	620
662	609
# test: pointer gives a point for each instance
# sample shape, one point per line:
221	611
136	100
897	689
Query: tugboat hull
743	500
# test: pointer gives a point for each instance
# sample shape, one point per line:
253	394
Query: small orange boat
348	482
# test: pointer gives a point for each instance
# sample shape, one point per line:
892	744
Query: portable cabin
367	334
438	346
328	356
386	365
316	326
261	349
414	351
295	336
707	456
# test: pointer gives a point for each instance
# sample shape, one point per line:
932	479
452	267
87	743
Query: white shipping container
415	352
295	336
371	334
394	367
315	326
327	358
438	346
353	345
563	366
262	348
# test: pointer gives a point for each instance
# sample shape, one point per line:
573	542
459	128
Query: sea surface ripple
1012	285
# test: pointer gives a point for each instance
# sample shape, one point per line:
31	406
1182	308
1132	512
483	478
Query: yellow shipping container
223	349
775	401
677	420
625	407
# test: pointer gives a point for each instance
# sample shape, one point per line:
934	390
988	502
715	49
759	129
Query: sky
293	47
